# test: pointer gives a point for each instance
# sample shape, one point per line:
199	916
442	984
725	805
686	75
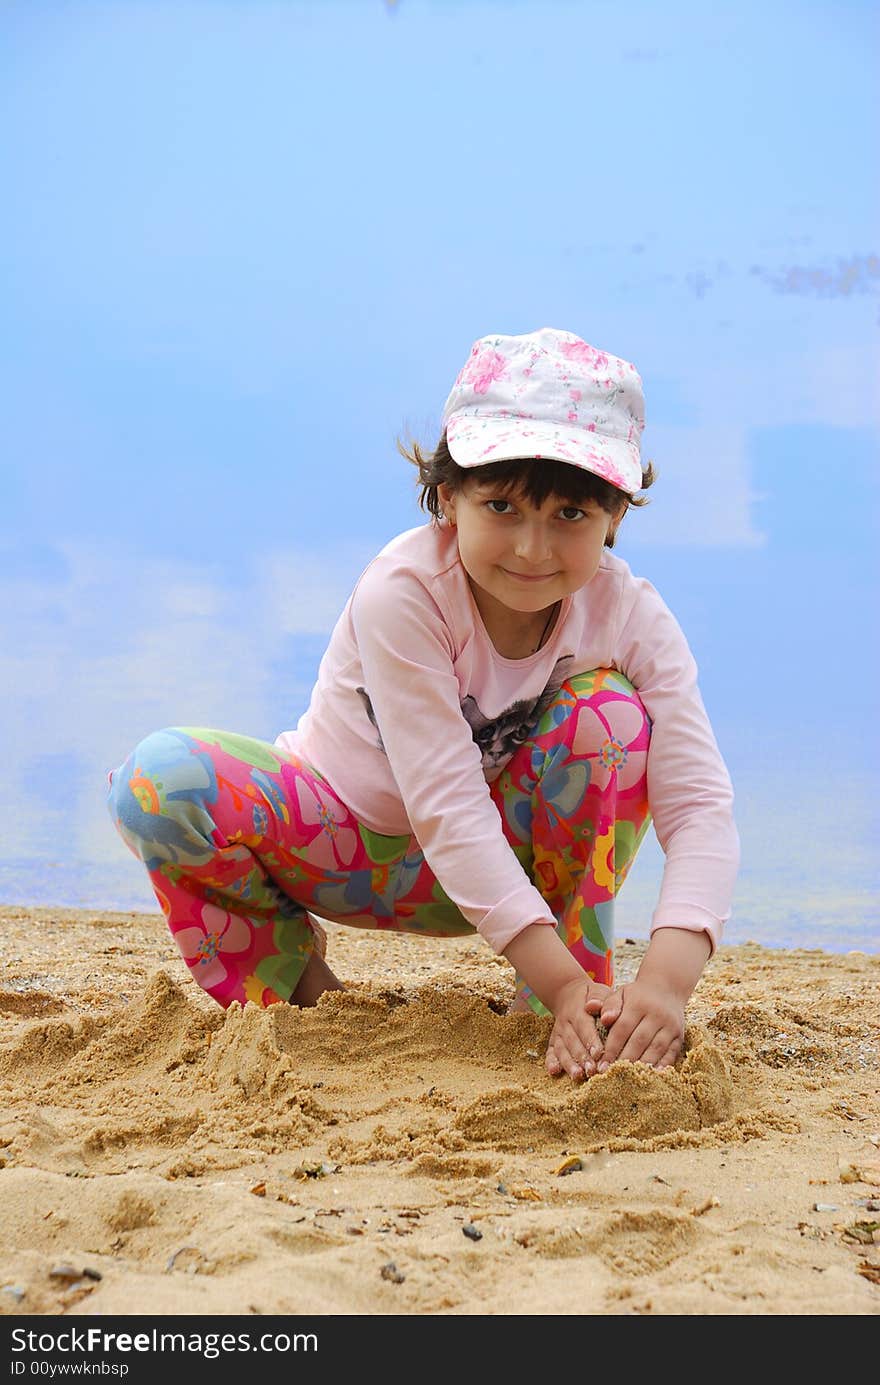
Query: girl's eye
499	506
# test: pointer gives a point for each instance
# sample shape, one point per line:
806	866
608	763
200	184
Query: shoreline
278	1160
861	939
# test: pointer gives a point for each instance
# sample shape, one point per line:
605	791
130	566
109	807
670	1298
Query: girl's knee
159	797
597	713
157	752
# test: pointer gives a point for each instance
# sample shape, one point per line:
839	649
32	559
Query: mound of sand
160	1155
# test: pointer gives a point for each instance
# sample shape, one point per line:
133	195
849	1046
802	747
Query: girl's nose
533	544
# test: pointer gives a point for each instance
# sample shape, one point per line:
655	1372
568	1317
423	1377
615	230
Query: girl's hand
574	1045
646	1023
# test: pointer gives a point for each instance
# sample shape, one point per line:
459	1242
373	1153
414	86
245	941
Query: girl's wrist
544	962
675	959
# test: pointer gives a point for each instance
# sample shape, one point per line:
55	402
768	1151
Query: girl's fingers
554	1065
670	1056
618	1038
612	1007
597	998
588	1038
567	1052
658	1048
562	1062
589	1045
639	1040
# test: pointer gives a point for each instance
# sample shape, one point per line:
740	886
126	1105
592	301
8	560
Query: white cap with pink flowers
548	394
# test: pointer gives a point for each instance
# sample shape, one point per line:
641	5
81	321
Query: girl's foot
315	980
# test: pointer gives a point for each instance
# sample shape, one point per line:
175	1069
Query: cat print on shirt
500	736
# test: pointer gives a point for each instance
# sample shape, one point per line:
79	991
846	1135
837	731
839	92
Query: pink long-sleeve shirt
410	678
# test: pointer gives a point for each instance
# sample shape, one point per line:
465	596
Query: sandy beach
400	1149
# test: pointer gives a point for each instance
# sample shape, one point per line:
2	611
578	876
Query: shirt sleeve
406	654
689	789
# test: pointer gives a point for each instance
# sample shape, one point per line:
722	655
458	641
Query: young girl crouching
502	709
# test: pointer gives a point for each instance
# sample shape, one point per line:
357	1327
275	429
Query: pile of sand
401	1149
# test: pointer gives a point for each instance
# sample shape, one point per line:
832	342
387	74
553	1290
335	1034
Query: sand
400	1149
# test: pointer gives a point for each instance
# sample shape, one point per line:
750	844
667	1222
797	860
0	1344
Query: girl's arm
544	962
689	788
674	961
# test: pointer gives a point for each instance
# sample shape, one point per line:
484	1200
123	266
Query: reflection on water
96	654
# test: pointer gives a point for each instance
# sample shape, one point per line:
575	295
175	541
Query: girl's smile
528	577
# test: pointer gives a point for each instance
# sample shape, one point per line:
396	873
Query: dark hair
529	477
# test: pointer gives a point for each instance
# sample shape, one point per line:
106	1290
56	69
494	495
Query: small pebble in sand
472	1232
316	1168
573	1164
705	1206
390	1271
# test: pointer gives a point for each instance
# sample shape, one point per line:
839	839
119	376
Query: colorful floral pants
241	840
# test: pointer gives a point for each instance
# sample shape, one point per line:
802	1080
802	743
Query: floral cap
548	394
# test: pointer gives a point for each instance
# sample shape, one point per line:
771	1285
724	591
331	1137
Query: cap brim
475	441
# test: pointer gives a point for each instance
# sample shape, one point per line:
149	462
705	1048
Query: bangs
537	480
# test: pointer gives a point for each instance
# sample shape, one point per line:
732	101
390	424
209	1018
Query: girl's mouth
524	577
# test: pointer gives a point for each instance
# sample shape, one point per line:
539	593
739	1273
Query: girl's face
522	558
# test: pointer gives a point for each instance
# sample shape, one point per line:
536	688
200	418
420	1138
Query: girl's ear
447	500
616	521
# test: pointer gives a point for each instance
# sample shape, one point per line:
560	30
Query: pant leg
574	802
193	804
241	839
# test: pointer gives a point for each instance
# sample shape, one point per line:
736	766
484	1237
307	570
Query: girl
501	710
